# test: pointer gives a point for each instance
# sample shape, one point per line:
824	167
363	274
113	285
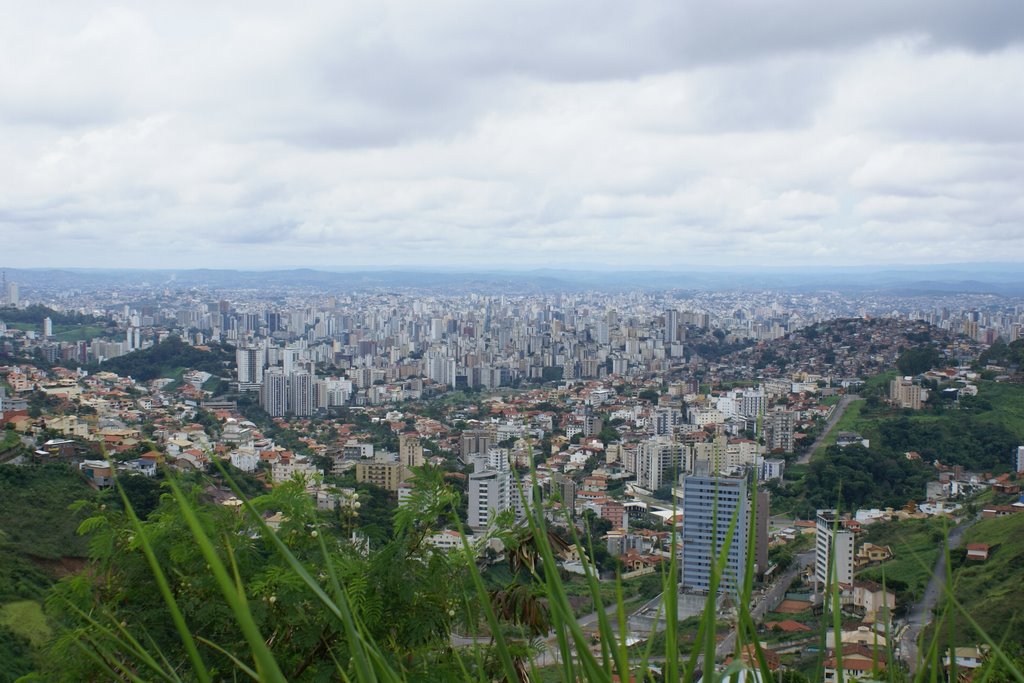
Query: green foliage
34	512
990	591
163	359
1003	354
957	439
914	544
918	360
143	494
401	593
35	314
858	476
15	656
26	619
651	395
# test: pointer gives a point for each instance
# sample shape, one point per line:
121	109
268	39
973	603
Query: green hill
169	359
990	591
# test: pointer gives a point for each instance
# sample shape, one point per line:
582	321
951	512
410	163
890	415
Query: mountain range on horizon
1003	279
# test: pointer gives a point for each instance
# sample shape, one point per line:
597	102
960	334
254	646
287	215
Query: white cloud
510	133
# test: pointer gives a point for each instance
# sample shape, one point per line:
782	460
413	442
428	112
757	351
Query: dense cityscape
398	342
643	424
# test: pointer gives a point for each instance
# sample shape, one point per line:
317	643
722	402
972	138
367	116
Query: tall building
778	427
289	360
382	471
47	327
761	520
905	394
11	297
1020	458
475	441
566	488
671	326
663	420
301	394
494	489
250	366
710	504
489	495
752	402
410	452
832	534
274	392
659	462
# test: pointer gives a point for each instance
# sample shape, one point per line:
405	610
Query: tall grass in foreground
573	655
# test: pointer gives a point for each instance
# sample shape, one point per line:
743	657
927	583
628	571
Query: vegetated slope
990	591
163	359
35	314
915	545
37	523
981	434
37	530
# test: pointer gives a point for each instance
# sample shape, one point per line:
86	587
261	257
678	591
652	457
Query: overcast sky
523	133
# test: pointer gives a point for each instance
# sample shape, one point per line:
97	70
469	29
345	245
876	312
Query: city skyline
368	134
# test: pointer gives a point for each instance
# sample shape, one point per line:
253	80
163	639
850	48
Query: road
921	612
769	600
833	418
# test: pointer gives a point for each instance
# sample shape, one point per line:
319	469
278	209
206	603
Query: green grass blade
242	666
266	665
198	665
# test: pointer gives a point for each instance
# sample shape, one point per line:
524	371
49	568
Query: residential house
869	554
98	472
859	662
978	551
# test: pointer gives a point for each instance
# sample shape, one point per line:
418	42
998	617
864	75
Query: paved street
837	413
920	613
776	593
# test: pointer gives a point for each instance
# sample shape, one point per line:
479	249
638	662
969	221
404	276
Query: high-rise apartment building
301	394
410	451
671	326
383	471
905	394
710	504
494	489
659	462
274	392
474	442
832	535
11	296
760	531
250	366
778	428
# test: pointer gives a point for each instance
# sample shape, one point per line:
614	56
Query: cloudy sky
261	134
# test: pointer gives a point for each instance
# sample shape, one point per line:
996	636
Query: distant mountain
999	279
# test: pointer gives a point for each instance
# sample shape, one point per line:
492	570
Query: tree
402	596
918	360
651	395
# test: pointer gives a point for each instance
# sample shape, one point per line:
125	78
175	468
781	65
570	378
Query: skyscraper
832	534
710	503
494	489
274	392
410	452
11	295
671	326
250	366
301	394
